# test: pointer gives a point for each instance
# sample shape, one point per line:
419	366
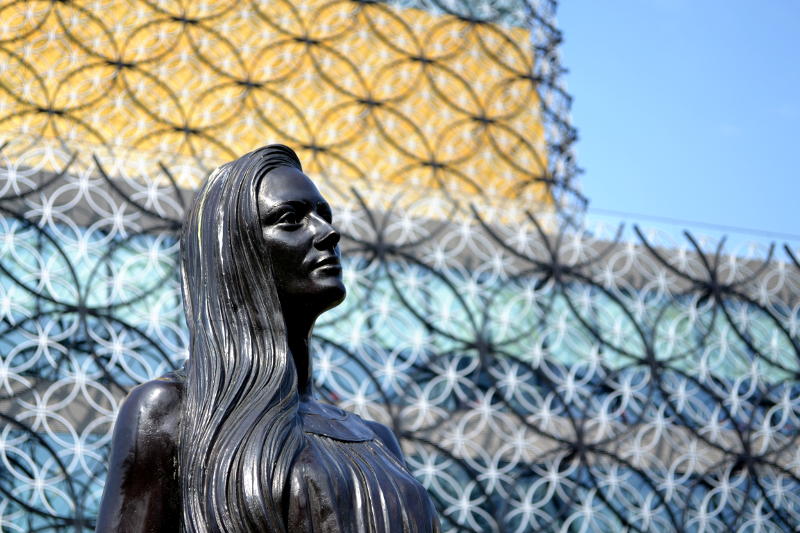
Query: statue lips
329	262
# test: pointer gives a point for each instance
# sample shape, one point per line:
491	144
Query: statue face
297	228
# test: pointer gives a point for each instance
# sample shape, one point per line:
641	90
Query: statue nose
327	237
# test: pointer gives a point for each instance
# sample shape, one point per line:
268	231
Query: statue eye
290	217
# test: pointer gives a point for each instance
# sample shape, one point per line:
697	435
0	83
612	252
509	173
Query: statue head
259	227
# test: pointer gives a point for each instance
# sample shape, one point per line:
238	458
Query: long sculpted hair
239	430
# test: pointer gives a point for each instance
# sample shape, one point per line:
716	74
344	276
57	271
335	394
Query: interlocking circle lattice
461	96
539	381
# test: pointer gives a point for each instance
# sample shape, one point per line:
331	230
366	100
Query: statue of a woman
238	443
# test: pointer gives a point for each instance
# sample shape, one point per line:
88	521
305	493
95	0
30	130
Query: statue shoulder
155	405
148	423
388	438
142	491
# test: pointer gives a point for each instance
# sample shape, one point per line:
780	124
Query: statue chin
331	296
320	296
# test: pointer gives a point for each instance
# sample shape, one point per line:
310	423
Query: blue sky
688	109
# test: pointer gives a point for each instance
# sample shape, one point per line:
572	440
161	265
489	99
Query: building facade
540	376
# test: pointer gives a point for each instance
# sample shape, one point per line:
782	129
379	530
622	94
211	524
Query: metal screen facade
541	377
461	97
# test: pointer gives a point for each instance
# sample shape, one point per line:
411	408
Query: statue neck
298	330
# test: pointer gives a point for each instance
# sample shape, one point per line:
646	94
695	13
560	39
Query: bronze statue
237	442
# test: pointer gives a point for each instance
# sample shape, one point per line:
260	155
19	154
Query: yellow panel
367	93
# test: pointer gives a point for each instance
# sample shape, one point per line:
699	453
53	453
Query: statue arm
142	490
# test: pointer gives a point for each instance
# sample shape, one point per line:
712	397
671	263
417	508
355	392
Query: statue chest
345	479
